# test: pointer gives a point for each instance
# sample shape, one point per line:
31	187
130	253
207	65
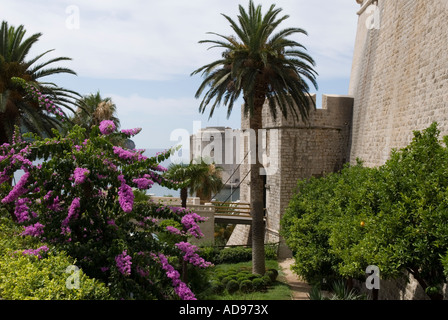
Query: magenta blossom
125	195
107	127
191	256
143	183
80	175
123	262
35	252
35	230
180	288
72	212
18	190
131	132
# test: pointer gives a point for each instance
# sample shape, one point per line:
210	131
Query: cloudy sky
141	52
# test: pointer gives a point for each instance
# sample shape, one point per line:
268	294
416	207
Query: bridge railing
231	208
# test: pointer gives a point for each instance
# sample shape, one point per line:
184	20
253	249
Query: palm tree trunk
256	195
183	197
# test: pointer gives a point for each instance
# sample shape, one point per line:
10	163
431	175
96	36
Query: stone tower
399	78
295	150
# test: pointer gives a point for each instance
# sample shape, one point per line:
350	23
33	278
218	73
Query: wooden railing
231	208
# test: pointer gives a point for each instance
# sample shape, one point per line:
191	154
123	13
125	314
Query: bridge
215	212
232	213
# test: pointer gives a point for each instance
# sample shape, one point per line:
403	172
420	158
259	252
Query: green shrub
216	287
234	255
228	278
393	216
272	274
246	286
232	286
24	277
258	284
266	280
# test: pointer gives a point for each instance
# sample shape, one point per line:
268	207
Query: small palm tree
201	178
260	65
92	109
208	181
16	107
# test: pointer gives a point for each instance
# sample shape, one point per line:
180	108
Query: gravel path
299	288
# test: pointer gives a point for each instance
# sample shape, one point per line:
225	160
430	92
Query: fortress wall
399	76
299	150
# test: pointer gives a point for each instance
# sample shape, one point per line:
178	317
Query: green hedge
235	254
24	277
28	277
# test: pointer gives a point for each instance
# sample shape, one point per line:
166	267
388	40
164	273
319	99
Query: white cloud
143	106
156	40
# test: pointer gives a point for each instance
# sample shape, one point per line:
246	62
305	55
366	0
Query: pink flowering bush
80	200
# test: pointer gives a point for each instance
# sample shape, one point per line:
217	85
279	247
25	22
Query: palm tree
92	109
16	107
261	65
208	180
184	174
201	178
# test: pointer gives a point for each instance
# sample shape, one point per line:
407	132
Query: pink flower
190	222
18	189
173	230
35	252
180	288
107	127
128	155
143	183
72	212
191	256
81	175
35	230
125	196
21	210
131	132
123	262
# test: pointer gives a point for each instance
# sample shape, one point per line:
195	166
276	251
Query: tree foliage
393	216
17	106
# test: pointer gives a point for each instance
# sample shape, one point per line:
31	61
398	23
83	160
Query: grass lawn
279	290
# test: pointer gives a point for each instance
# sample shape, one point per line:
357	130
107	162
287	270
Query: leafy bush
81	199
272	274
246	286
393	216
232	286
25	277
234	254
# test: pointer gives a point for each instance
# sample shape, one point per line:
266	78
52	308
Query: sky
141	53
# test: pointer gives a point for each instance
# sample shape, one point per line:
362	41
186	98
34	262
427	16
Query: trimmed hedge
28	277
242	280
25	277
234	254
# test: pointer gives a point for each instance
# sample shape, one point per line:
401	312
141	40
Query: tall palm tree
16	107
261	65
92	109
